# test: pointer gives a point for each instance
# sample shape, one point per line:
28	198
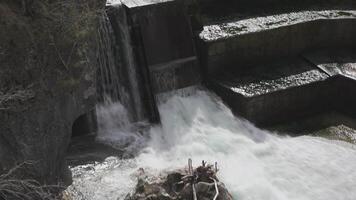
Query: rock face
179	185
47	80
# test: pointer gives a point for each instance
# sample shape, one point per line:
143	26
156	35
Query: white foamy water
254	164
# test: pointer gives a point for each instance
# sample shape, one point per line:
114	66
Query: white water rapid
254	164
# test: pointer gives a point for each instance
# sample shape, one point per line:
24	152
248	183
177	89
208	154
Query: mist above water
254	164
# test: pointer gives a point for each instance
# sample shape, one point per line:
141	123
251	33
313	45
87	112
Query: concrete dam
264	88
270	62
178	100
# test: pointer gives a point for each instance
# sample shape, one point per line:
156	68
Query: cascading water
254	164
121	87
109	87
117	98
120	78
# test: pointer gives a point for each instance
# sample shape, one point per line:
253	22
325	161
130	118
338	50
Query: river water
254	164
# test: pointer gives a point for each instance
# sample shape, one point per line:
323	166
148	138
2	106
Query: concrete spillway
257	54
267	67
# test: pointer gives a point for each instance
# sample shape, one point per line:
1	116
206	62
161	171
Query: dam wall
256	59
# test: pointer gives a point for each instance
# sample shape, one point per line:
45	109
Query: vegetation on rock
47	75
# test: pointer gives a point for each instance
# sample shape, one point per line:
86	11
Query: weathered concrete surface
334	61
341	65
241	43
47	80
227	6
177	74
331	125
273	93
266	79
227	30
164	39
345	97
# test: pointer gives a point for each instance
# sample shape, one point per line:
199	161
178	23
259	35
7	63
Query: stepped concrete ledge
236	27
332	125
341	62
137	3
240	44
272	93
323	80
267	79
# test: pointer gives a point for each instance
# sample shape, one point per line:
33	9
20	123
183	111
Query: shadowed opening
85	124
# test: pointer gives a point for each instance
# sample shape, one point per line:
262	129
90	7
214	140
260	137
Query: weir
209	74
253	58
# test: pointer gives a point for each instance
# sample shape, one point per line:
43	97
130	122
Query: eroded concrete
237	26
172	62
272	77
291	89
329	125
335	61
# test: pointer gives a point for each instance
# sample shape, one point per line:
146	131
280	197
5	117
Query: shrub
13	188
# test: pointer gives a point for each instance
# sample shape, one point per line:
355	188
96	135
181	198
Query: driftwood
192	184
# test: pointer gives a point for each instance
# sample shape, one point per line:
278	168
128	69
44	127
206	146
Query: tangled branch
12	188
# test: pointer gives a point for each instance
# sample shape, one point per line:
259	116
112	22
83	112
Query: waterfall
126	102
120	79
110	87
129	71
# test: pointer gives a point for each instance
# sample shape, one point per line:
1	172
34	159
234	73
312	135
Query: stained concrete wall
164	40
345	95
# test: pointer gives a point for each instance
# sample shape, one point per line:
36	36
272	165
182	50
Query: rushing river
254	164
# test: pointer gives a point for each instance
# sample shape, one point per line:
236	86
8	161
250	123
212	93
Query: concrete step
220	8
242	42
334	61
341	65
332	125
290	89
275	92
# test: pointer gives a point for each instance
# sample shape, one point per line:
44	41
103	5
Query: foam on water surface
254	164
